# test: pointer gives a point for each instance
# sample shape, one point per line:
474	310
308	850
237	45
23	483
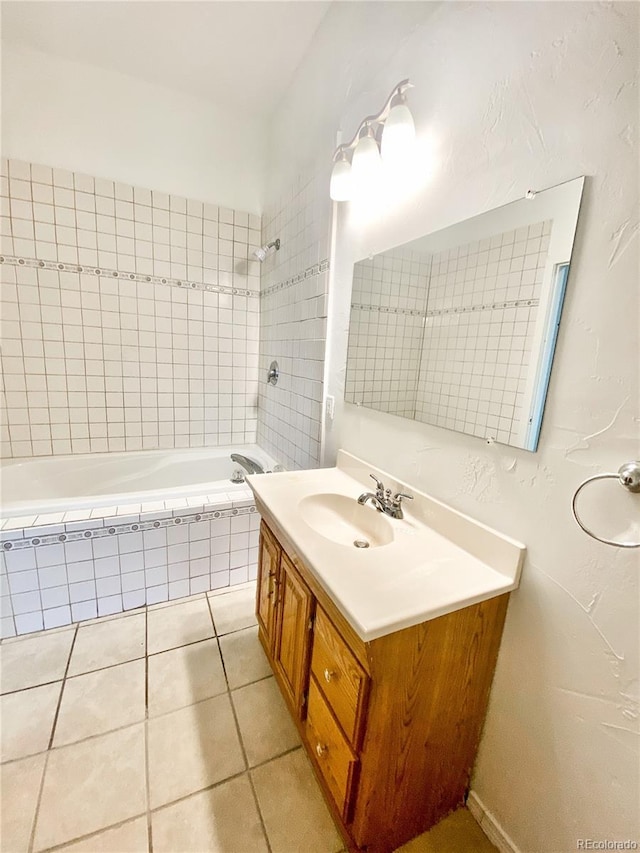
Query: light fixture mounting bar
399	89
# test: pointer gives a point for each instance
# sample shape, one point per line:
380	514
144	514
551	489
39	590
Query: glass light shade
398	135
341	186
366	164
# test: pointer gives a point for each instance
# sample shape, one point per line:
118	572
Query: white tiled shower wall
130	318
293	323
385	331
478	304
482	310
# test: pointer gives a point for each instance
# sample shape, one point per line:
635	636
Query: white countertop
439	561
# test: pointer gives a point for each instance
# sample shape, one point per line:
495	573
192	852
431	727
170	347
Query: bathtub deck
26	525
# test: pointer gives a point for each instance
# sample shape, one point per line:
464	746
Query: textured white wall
87	119
511	96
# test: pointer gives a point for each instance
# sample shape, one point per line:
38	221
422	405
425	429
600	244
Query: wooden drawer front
342	679
333	754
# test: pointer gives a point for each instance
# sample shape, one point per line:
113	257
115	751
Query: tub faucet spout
250	465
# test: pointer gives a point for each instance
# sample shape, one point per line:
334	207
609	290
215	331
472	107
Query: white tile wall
293	323
481	314
385	331
130	318
478	303
383	360
398	278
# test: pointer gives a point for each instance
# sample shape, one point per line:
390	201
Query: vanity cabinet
268	581
392	725
284	612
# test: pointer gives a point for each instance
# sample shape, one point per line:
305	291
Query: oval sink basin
345	521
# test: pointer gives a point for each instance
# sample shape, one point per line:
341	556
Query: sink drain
361	543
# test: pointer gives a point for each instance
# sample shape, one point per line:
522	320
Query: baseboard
489	825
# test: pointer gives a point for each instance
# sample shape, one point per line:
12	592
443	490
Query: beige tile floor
163	730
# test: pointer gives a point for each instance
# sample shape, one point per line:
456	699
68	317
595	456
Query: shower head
261	253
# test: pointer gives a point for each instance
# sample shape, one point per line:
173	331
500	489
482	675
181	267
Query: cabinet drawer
334	756
342	679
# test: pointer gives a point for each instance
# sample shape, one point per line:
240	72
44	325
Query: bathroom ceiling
235	53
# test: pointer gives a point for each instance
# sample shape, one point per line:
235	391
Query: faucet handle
399	497
379	483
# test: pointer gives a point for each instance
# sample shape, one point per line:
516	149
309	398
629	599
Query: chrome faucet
383	501
250	465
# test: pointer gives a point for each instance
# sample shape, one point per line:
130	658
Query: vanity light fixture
366	164
358	163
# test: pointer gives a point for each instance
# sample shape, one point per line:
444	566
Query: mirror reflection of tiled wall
446	338
481	315
385	334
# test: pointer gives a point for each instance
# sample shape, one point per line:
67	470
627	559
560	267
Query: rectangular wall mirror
458	328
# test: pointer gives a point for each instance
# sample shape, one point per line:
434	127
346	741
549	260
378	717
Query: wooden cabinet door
291	656
268	570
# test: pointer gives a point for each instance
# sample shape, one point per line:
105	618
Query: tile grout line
137	612
47	753
146	731
239	733
30	687
64	681
222	782
102	668
169	804
88	835
137	722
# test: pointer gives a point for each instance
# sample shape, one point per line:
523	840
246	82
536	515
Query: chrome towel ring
629	477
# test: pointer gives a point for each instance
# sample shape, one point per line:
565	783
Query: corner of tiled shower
293	323
133	320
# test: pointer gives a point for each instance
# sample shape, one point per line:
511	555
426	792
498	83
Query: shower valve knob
273	374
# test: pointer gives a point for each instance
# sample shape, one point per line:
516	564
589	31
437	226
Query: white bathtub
58	484
97	534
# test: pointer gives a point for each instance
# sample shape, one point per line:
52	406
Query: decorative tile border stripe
382	309
316	269
115	529
125	276
438	312
488	306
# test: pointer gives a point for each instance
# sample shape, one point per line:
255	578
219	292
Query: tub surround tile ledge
57	574
16	539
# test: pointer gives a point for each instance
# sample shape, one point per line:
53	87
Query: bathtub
98	534
51	485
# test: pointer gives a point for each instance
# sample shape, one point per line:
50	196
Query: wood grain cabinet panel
340	676
391	726
267	586
291	648
334	757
